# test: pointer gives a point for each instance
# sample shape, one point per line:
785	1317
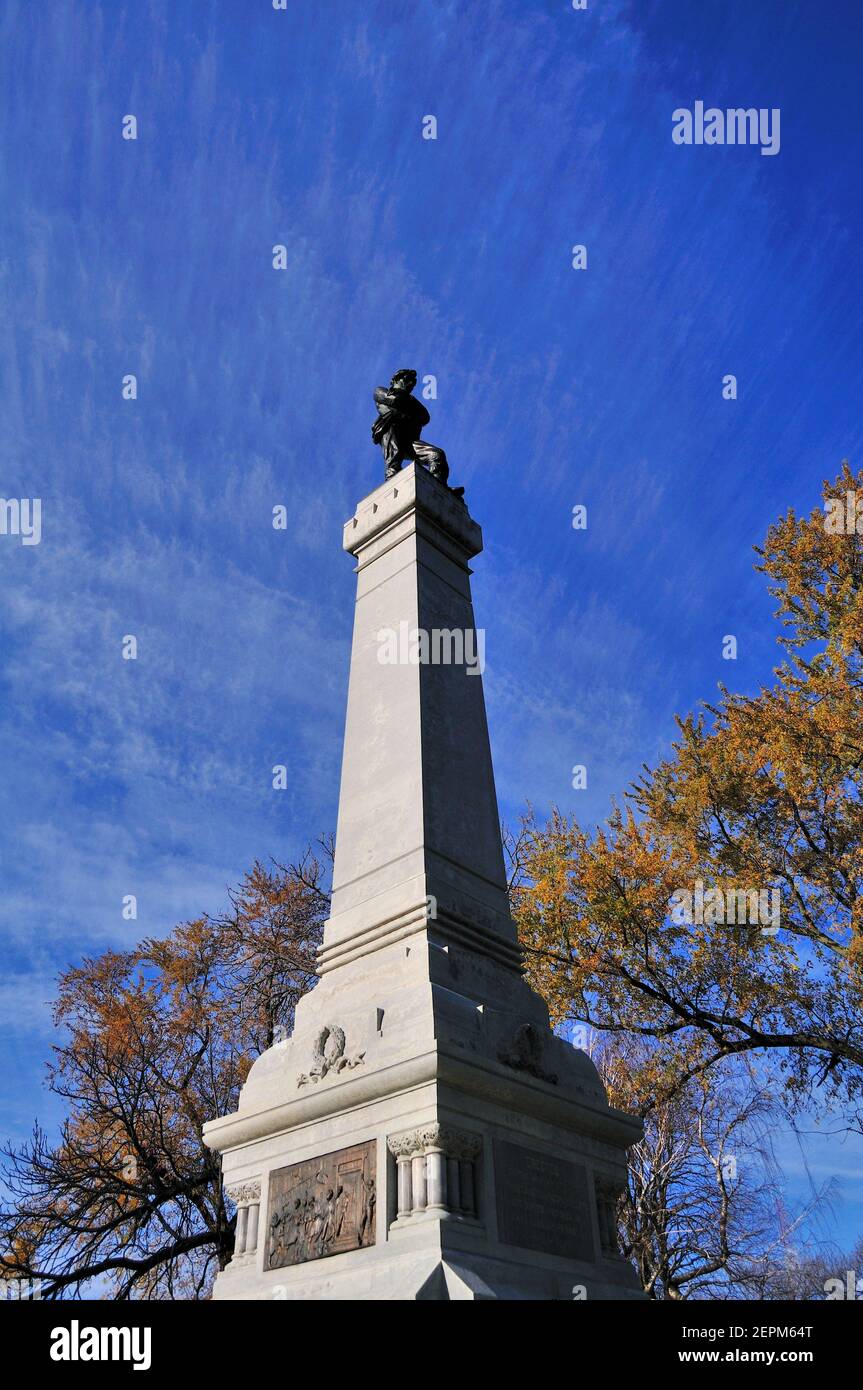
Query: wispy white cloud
153	257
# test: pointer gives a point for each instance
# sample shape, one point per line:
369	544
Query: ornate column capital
608	1187
402	1145
453	1142
244	1193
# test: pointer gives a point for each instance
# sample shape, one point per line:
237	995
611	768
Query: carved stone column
466	1183
252	1227
453	1185
405	1186
608	1194
438	1164
240	1231
466	1150
403	1156
247	1196
418	1181
436	1177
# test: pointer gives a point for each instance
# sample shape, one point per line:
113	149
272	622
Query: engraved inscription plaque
322	1207
543	1202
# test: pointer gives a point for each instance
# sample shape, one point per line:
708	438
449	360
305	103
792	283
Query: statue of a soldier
401	418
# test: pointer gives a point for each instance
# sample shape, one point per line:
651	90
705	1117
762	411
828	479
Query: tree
761	794
819	1276
703	1215
158	1041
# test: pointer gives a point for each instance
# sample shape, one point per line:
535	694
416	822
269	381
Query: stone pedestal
423	1133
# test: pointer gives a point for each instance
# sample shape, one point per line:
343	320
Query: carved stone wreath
525	1054
328	1054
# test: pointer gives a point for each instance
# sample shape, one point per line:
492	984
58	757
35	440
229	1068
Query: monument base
430	1169
433	1264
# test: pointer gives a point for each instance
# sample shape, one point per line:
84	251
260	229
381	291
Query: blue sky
555	387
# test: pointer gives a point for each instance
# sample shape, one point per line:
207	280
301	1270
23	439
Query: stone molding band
448	925
609	1191
407	500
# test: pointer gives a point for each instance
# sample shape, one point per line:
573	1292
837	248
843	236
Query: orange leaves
154	1042
760	800
815	570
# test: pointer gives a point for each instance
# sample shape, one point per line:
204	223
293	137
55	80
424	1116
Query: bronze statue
401	419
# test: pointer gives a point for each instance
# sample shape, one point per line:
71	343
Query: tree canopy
156	1041
761	794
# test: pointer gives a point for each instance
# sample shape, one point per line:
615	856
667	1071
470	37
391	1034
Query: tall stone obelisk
423	1133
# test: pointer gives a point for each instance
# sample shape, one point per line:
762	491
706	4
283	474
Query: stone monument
422	1134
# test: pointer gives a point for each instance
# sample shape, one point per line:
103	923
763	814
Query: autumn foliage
156	1041
709	1028
760	791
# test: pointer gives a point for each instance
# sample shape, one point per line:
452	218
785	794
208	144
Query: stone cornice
490	1081
413	500
447	926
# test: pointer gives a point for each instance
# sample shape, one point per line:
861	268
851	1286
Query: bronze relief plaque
321	1207
543	1202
